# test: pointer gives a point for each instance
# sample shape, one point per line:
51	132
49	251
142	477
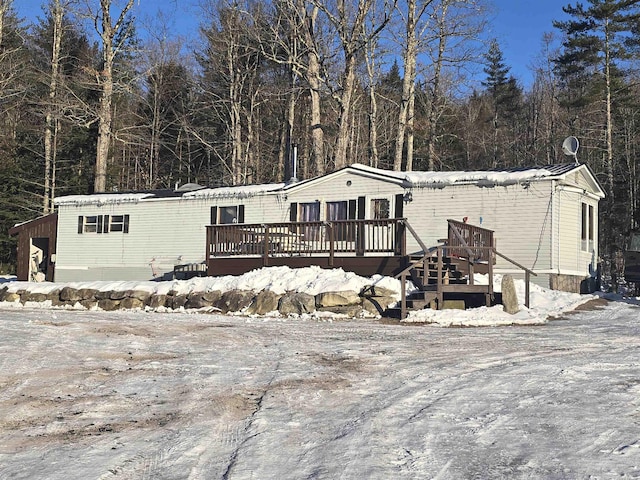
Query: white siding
520	218
533	226
162	233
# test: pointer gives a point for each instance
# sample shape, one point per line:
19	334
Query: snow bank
544	303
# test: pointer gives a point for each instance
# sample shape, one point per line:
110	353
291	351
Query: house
544	218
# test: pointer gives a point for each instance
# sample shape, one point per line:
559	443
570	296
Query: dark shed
36	248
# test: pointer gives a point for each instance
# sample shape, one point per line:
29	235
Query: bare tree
112	41
57	10
347	19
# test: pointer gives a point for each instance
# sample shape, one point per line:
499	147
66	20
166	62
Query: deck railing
470	241
359	237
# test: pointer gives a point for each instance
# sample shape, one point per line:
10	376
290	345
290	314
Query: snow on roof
102	198
442	179
241	191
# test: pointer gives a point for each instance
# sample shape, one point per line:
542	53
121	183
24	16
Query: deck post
403	296
439	291
207	253
527	278
331	243
265	253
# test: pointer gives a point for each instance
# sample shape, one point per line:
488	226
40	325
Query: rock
177	301
69	295
202	300
12	297
54	298
131	303
351	311
335	299
157	300
117	295
34	297
3	293
376	291
265	302
377	305
212	297
108	304
89	304
87	293
509	297
141	295
296	304
235	300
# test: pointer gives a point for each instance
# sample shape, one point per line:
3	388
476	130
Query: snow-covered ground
142	395
544	303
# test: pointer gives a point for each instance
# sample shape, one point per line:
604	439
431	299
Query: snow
442	179
241	191
102	199
544	303
139	395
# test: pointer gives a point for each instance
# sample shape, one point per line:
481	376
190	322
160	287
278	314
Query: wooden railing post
403	296
265	253
329	227
439	291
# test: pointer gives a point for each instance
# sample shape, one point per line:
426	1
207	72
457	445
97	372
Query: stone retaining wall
371	301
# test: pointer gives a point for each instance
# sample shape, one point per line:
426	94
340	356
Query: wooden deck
365	247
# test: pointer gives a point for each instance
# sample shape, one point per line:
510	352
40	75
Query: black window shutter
214	215
99	230
240	213
80	223
293	213
106	224
351	214
399	206
125	227
361	205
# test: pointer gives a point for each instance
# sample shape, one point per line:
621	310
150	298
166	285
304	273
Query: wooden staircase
440	277
446	272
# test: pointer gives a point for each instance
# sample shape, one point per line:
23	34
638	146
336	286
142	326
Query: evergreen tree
505	95
599	41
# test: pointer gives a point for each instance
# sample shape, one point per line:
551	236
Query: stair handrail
462	241
415	235
527	275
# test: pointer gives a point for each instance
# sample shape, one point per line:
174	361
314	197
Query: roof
413	179
240	191
493	177
20	227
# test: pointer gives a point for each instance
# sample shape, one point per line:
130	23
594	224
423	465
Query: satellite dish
570	147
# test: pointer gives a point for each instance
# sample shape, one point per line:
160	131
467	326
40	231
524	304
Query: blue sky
517	24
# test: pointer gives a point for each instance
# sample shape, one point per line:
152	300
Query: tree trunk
107	33
408	82
52	118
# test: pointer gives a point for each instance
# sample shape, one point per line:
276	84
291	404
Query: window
310	212
103	224
116	223
380	208
227	215
336	211
91	224
588	227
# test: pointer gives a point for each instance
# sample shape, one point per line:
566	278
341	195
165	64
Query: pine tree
504	92
598	43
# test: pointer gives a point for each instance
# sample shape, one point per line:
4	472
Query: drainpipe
555	226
